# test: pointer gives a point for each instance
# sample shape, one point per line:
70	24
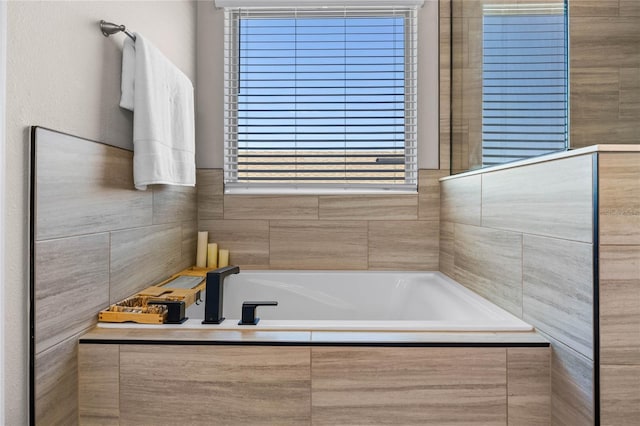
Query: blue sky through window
321	83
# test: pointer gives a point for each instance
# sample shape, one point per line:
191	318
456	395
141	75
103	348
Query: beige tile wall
326	231
314	385
522	238
97	241
546	271
604	72
619	189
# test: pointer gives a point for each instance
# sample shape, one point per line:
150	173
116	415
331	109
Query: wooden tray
123	310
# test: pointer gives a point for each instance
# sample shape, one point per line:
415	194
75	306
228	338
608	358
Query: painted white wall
210	79
3	67
62	73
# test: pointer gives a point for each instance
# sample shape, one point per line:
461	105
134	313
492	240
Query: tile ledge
549	157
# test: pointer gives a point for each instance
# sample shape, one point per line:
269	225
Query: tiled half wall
96	241
524	238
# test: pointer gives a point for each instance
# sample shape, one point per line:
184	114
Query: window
524	81
320	98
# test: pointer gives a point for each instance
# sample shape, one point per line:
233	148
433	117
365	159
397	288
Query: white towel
161	98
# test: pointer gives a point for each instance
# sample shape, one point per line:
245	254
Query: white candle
201	252
212	255
223	258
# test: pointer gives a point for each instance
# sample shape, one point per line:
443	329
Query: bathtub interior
337	300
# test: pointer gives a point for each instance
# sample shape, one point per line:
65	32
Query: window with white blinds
320	98
524	81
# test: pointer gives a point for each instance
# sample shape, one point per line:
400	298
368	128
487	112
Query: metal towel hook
109	28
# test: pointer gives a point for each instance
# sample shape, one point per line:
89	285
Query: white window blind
525	81
320	98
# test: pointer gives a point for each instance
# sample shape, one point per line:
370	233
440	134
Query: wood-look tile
629	8
404	245
246	240
620	304
460	200
595	93
558	290
141	257
619	192
408	386
429	194
174	204
590	131
321	244
629	107
85	187
529	386
98	384
489	262
571	386
56	384
620	397
369	207
214	384
593	8
447	251
189	244
550	199
271	207
210	189
71	286
604	41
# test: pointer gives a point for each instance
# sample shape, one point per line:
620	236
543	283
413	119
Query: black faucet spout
214	293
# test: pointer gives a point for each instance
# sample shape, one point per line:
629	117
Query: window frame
231	67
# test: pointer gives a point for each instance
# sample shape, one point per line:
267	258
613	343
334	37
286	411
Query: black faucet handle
249	311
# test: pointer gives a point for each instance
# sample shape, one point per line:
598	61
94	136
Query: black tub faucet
214	294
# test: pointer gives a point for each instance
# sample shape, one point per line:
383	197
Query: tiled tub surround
96	241
134	376
523	237
324	231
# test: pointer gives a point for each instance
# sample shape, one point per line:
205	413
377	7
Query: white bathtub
352	301
362	300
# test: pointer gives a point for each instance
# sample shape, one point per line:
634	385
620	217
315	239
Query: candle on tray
212	256
223	258
201	251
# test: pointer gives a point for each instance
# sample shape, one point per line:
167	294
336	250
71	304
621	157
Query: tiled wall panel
397	231
620	395
572	384
620	305
489	262
56	391
85	187
541	199
435	386
72	284
318	244
214	385
97	241
529	386
143	256
99	384
398	245
246	240
619	192
558	298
